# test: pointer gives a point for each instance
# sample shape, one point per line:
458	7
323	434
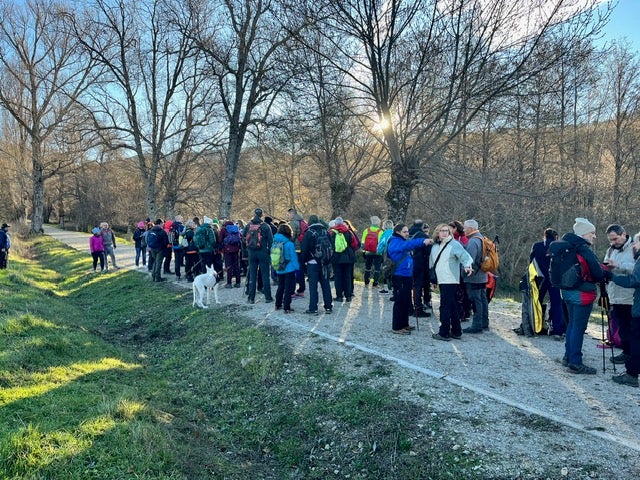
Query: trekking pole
604	308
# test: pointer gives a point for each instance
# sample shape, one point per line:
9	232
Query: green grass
112	377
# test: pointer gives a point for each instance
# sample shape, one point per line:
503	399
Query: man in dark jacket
316	271
421	285
580	300
258	255
540	253
157	241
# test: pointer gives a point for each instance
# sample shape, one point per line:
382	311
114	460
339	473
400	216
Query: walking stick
604	308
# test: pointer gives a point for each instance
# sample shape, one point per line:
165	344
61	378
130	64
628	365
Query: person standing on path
96	247
446	257
580	300
157	241
399	251
477	281
109	241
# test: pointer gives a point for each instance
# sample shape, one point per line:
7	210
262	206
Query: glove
607	275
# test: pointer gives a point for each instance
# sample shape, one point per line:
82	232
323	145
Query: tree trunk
399	195
230	170
37	212
341	197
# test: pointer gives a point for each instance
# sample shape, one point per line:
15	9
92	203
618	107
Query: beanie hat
258	212
583	226
95	230
141	224
313	219
339	221
207	220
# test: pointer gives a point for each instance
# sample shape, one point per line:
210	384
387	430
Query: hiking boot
383	290
619	359
472	330
375	284
328	311
582	369
625	379
456	337
311	312
565	362
437	336
228	285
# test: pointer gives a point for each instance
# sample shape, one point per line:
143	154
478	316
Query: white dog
206	281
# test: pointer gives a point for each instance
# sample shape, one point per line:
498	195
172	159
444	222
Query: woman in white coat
447	255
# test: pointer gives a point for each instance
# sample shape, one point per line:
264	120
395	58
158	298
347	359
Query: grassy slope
110	376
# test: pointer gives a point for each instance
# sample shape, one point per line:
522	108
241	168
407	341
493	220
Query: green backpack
341	242
278	261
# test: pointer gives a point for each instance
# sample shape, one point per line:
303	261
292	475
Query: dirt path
497	377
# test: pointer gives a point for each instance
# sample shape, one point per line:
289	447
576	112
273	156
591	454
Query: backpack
323	249
200	238
278	261
304	226
153	240
564	267
384	241
175	238
253	238
490	259
232	239
371	241
341	242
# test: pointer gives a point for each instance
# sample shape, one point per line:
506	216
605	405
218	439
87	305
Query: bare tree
155	99
243	41
623	80
43	73
429	67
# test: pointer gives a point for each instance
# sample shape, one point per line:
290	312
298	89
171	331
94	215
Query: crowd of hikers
404	260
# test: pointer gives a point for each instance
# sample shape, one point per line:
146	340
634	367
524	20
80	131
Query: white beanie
583	226
207	220
339	220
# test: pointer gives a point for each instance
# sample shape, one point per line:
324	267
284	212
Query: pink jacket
96	244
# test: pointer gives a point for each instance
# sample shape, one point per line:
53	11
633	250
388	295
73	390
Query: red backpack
304	226
371	240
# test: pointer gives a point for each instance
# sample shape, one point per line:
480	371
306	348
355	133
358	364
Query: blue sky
624	23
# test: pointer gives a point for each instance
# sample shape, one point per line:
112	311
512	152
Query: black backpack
564	267
153	240
324	247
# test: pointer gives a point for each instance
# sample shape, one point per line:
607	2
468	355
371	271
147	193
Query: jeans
141	253
316	275
478	298
578	319
179	256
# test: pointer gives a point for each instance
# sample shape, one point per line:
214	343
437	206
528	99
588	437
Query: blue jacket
290	255
399	250
631	281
